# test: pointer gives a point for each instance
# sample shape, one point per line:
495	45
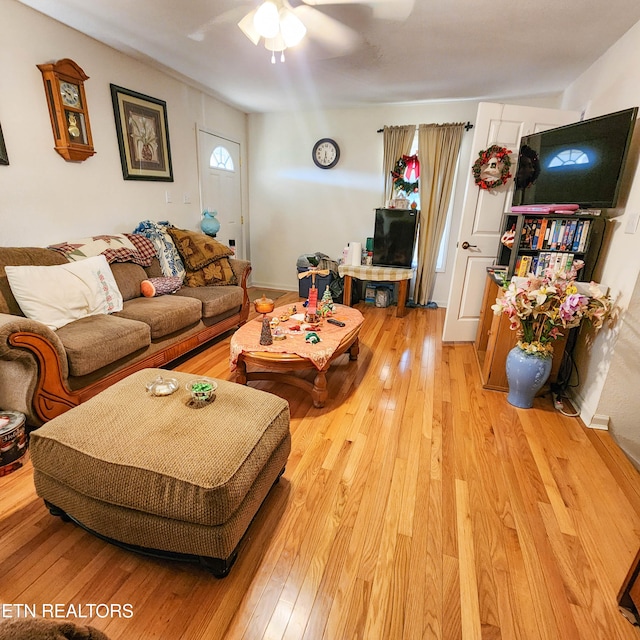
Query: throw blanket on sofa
156	232
124	247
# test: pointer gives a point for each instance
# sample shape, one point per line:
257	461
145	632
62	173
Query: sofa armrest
11	327
242	269
33	368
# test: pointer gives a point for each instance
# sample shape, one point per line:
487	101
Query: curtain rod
467	127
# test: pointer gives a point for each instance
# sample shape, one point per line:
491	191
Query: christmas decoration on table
312	337
312	301
492	168
265	334
406	174
326	304
312	307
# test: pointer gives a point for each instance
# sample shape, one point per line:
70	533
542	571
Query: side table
384	274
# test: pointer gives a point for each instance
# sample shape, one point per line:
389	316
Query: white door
220	187
482	210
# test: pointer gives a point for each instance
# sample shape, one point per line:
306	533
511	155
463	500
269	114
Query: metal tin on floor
13	441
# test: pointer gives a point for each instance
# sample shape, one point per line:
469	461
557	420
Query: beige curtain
438	149
397	143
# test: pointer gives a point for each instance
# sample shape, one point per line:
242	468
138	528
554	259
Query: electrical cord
563	382
558	404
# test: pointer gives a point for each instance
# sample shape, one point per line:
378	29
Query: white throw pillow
60	294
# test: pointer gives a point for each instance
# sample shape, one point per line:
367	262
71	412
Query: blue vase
209	223
526	374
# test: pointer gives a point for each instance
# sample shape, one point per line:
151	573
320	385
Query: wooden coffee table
279	361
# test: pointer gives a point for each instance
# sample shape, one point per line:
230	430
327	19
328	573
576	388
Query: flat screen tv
394	237
579	163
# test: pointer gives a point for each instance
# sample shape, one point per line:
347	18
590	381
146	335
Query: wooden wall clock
64	88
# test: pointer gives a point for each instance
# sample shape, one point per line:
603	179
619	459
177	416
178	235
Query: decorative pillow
123	247
216	273
168	256
197	249
160	286
59	294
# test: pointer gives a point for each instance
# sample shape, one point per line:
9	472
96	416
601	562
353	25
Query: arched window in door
569	157
221	159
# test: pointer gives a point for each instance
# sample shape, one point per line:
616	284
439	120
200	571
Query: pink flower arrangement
540	308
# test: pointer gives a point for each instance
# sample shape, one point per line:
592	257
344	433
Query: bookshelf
541	241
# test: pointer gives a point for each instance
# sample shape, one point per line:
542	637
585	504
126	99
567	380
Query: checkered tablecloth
362	272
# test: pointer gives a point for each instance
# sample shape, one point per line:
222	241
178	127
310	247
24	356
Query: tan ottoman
154	474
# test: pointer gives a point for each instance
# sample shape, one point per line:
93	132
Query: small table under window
384	274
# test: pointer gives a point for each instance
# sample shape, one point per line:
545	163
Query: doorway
482	211
221	187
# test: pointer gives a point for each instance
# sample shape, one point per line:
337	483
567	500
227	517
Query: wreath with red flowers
484	157
400	183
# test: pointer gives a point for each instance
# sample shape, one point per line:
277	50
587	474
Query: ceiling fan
281	24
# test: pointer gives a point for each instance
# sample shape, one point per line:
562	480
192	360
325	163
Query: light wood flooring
414	505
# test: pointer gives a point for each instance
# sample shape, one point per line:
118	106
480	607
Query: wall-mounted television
580	163
394	237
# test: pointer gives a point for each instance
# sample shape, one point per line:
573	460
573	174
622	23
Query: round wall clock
326	153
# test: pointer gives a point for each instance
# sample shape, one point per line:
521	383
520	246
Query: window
569	156
415	197
221	159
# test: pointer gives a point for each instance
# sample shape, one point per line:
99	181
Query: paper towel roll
348	259
356	253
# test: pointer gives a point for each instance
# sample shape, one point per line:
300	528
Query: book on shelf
524	266
558	234
543	232
498	269
582	245
578	234
554	260
498	273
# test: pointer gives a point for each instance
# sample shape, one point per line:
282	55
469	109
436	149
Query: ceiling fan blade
333	35
383	9
232	16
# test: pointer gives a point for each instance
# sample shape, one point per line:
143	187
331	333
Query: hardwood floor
415	504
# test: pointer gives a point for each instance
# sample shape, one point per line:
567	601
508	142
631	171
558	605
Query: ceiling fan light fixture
275	44
291	27
266	20
247	27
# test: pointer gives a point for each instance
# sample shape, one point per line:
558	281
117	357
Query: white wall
297	208
611	84
45	199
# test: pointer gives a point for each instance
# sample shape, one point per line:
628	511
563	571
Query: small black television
580	163
394	237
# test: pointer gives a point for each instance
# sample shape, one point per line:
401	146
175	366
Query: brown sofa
43	372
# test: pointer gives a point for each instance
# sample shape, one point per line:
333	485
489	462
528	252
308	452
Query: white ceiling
444	50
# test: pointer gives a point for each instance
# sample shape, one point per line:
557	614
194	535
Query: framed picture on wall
4	158
143	135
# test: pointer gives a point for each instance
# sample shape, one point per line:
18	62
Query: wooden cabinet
495	339
629	594
539	240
